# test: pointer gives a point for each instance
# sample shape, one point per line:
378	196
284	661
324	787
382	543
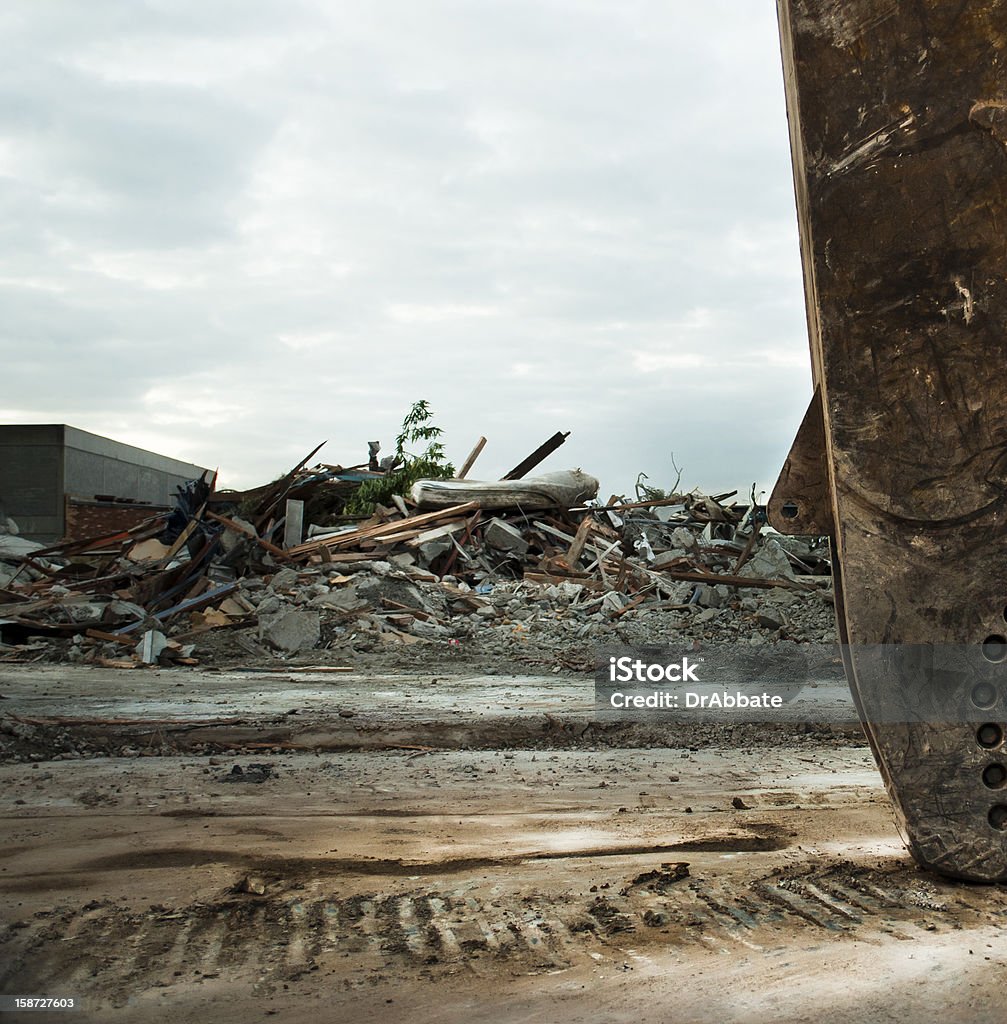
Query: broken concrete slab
291	630
284	579
666	558
230	539
769	562
770	618
127	610
347	600
438	541
83	611
501	536
391	588
428	630
781	598
683	538
151	644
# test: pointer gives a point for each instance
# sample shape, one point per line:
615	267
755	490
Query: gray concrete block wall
40	463
81	440
31	478
87	474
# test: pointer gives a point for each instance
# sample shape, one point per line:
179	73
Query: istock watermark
629	669
939	684
637	670
721	681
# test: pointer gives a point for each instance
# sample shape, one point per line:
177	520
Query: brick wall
96	518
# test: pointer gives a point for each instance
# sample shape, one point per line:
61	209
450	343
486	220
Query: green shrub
430	463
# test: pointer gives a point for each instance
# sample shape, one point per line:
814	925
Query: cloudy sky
231	230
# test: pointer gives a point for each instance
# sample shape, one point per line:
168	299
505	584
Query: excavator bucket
898	122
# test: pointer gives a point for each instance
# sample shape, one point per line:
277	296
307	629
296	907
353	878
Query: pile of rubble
503	567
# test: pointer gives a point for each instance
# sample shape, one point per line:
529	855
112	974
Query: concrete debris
501	536
253	773
292	630
151	644
14	546
770	562
771	618
285	579
173	589
683	538
393	591
669	558
347	600
430	544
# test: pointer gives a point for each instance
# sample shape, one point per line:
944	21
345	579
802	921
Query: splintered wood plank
470	460
350	537
576	549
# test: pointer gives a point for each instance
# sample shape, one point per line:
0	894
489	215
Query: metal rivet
989	735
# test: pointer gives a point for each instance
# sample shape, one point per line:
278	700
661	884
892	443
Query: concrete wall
96	465
31	479
40	463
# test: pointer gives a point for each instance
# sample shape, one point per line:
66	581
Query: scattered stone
502	536
151	645
666	558
684	538
285	579
254	773
296	629
771	618
391	588
769	562
346	600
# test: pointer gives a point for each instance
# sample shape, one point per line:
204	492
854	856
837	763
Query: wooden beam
278	491
576	549
542	452
351	537
472	456
247	532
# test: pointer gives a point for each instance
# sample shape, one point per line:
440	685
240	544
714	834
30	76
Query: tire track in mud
275	938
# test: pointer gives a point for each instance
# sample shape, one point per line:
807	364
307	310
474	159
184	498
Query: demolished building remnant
495	560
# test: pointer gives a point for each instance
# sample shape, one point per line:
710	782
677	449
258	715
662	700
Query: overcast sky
232	230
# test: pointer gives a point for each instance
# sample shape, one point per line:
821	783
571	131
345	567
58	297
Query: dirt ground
194	872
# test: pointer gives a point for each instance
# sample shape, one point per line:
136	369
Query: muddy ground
318	846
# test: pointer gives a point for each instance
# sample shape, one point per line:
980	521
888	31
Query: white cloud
420	314
235	230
